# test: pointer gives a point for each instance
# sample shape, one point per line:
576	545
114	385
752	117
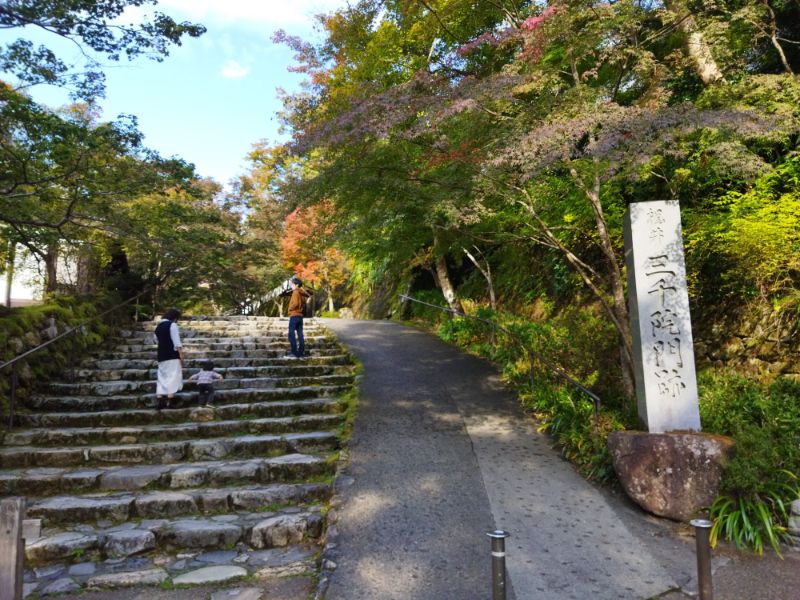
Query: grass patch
349	402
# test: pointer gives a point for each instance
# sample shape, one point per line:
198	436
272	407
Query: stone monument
670	470
663	354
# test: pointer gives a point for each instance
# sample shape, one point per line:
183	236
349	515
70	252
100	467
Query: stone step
267	517
226	359
278	353
125	418
183	398
127	564
204	343
232	335
42	482
224	321
276	324
289	369
214	346
125	506
68	436
169	452
110	388
191	362
128	495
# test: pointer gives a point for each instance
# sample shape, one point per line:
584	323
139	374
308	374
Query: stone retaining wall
764	344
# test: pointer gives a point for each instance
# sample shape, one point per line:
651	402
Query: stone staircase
120	494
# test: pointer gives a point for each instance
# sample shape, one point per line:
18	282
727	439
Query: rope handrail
70	330
531	353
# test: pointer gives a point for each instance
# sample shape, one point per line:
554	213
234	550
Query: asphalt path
441	453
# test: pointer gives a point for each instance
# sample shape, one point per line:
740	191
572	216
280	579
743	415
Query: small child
205	382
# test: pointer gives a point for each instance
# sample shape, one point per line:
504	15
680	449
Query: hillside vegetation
480	156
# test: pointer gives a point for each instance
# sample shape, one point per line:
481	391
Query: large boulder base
673	475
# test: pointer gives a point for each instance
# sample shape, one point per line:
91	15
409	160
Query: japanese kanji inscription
666	385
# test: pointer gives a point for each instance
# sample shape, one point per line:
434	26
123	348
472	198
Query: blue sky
214	96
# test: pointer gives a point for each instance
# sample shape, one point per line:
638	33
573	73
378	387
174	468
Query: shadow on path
442	453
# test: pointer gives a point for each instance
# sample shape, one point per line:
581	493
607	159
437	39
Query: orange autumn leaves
308	246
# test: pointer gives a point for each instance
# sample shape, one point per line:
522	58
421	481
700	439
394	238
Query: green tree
185	244
97	27
62	174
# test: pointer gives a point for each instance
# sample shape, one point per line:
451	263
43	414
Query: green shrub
428	314
567	341
747	243
567	415
762	477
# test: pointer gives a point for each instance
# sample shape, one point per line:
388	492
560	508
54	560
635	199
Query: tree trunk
773	37
696	46
85	270
12	257
156	288
449	292
613	299
487	274
51	268
331	307
619	304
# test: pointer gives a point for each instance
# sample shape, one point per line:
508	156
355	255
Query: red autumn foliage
307	245
466	153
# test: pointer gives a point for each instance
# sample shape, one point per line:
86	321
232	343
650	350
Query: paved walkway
440	454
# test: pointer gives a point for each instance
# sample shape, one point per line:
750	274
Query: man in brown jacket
296	304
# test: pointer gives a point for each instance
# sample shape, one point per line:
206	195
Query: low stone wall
764	343
24	329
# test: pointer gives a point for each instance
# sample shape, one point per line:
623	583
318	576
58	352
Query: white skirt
170	377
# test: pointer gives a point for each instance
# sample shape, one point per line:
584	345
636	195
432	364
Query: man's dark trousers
296	339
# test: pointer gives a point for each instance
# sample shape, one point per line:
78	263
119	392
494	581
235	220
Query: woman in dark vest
170	358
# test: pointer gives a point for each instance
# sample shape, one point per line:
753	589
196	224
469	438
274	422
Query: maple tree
434	126
65	174
307	247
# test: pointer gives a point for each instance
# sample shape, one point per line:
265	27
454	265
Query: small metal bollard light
702	529
498	563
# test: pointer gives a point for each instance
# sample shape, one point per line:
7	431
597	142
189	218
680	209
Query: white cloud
233	70
272	14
